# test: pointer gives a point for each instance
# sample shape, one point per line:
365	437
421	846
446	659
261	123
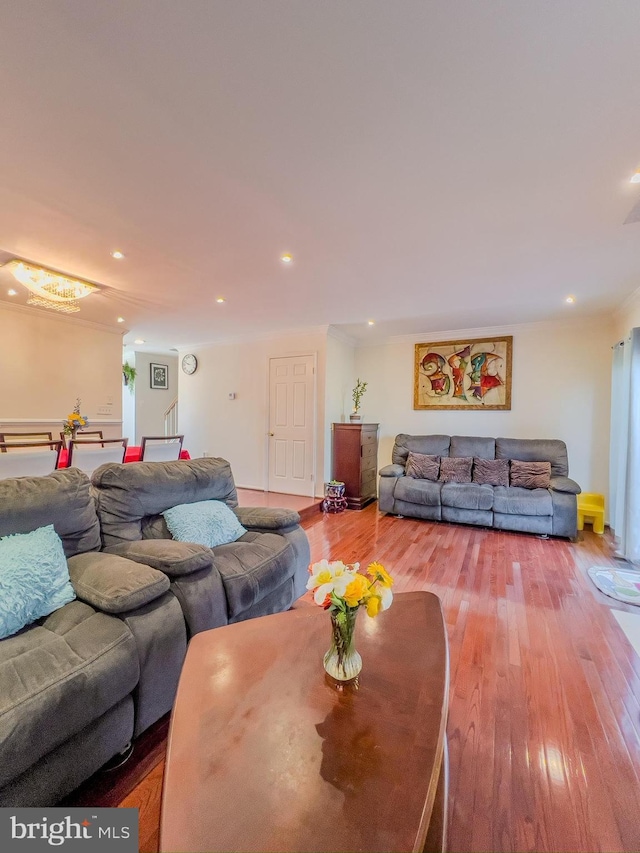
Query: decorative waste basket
334	499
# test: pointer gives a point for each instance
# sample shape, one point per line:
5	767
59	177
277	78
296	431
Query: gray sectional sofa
549	511
78	685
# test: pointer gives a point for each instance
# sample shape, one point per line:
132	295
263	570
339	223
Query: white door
291	427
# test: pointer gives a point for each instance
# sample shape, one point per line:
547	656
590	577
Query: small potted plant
358	391
129	375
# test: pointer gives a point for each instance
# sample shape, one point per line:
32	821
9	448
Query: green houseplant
129	375
356	396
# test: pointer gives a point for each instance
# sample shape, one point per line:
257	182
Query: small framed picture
159	376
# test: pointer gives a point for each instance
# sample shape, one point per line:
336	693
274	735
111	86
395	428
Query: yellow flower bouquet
74	421
342	590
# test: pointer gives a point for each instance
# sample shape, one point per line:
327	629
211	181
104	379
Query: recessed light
220	300
12	292
371	322
138	341
120	319
118	255
635	179
286	258
570	300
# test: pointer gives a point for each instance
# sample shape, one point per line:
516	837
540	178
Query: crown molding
252	337
57	420
489	331
339	335
627	303
62	318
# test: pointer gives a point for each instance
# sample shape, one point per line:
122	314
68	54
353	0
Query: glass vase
342	662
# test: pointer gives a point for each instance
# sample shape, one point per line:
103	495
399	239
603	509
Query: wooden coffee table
265	754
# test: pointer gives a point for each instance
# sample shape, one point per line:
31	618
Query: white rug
630	624
620	583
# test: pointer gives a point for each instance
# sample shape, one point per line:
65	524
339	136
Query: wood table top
265	754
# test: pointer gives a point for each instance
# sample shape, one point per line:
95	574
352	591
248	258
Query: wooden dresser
355	462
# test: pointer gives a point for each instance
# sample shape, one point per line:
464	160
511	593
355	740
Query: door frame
314	468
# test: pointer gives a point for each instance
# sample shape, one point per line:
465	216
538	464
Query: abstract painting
466	374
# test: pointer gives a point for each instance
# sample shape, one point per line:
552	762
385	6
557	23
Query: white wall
47	361
152	403
627	317
561	389
237	429
340	379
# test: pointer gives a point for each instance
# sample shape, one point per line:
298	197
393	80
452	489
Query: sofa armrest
565	484
169	556
266	518
113	584
392	471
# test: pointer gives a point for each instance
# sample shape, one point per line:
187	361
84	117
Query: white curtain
624	501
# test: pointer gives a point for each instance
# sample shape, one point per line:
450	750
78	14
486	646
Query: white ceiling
430	165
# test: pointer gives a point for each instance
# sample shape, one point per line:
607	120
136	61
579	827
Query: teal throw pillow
34	578
208	523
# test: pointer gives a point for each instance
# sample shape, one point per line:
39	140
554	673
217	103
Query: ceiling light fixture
12	292
50	289
635	178
371	322
220	300
118	255
120	319
286	258
570	300
138	341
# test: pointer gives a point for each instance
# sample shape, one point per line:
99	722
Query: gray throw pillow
491	472
421	466
455	469
530	475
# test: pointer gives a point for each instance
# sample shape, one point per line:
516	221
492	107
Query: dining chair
12	437
83	432
28	458
160	448
87	454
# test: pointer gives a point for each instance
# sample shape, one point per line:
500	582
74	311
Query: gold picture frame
469	374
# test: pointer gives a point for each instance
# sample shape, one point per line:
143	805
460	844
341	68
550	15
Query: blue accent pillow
208	523
34	578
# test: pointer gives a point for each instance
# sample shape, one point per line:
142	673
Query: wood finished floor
544	718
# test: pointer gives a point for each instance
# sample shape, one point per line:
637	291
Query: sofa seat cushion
513	500
423	492
467	496
56	677
252	568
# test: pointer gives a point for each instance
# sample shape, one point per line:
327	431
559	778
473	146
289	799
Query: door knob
271	434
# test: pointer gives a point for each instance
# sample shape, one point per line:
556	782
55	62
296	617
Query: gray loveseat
549	511
78	685
263	572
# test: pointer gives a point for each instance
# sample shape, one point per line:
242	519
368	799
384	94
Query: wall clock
189	364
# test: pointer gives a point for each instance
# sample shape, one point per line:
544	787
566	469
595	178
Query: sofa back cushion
128	494
62	498
431	445
535	450
421	466
473	445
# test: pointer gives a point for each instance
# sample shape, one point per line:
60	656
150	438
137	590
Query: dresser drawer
368	452
370	437
368	481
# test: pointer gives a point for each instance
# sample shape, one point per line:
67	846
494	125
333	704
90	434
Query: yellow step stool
591	509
